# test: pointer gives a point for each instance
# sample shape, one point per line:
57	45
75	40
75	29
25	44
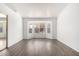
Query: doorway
3	31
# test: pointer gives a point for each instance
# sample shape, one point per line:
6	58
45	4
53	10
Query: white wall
68	26
14	24
53	20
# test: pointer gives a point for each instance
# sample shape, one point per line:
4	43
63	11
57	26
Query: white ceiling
37	9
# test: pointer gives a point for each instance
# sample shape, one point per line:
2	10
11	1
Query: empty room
39	29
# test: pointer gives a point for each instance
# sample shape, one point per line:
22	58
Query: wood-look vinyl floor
39	47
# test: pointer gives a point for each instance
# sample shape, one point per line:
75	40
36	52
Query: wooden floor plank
39	47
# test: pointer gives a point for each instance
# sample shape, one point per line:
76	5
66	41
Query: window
30	28
48	28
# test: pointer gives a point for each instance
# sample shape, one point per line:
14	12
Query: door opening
3	31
